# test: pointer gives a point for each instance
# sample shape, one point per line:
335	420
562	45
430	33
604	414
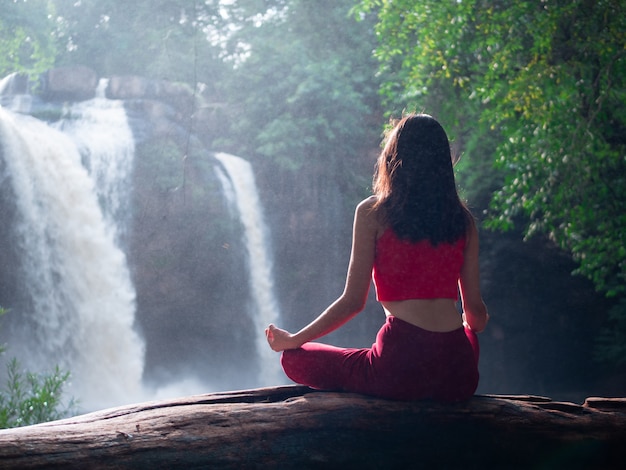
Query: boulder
72	83
126	87
132	87
296	427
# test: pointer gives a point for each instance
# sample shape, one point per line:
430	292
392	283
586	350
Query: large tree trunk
296	427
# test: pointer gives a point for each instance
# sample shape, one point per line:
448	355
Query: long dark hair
414	182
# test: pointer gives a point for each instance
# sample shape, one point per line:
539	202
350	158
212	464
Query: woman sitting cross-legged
419	243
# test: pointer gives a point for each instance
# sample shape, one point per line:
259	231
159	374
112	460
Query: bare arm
474	308
354	295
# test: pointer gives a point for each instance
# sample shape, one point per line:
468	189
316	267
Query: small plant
29	398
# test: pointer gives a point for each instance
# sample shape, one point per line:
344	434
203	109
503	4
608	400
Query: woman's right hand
279	339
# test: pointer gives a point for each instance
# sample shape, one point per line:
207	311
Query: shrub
30	398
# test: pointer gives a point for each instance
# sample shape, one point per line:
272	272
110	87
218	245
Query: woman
419	242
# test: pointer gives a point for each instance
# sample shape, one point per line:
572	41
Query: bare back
438	315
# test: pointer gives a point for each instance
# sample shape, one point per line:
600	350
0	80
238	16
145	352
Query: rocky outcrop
75	83
134	87
78	83
296	427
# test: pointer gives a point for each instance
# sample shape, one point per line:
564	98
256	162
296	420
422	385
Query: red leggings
405	363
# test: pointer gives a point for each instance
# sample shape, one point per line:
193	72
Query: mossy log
296	427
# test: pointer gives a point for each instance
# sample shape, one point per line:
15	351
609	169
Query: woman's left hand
279	339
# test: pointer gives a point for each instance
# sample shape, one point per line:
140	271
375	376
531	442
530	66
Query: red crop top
405	270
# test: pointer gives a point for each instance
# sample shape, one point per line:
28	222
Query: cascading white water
100	130
83	300
240	185
71	183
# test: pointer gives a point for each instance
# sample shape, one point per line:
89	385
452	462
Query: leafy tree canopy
27	38
314	65
540	88
166	39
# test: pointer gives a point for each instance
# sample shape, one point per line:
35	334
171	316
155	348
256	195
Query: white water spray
99	129
77	277
71	183
240	188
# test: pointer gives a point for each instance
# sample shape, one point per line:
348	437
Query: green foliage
29	398
534	91
297	75
165	39
545	83
27	42
311	70
563	122
426	58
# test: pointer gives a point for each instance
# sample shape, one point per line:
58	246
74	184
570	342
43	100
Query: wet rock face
125	87
155	108
78	83
75	83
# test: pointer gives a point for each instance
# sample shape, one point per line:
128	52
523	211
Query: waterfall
240	188
69	183
81	314
99	128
